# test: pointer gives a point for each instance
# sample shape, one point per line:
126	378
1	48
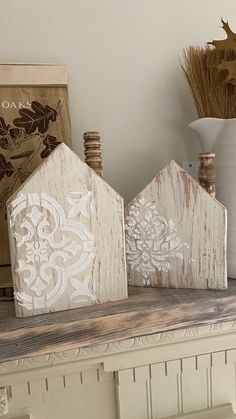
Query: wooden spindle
92	151
206	173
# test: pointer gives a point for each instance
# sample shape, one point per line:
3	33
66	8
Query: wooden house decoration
34	119
66	230
176	234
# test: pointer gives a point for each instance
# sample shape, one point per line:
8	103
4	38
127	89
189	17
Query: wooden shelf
146	311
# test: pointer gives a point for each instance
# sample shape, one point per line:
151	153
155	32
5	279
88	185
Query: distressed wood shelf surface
146	311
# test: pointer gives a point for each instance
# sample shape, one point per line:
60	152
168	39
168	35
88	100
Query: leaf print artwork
6	168
50	143
4	143
15	132
22	155
29	112
21	141
3	127
38	118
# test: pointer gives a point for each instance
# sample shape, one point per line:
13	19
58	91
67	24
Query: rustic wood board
146	311
176	234
66	230
33	120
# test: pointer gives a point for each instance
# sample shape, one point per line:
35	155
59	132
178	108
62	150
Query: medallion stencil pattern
151	240
55	248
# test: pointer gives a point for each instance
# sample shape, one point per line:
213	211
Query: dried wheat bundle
213	96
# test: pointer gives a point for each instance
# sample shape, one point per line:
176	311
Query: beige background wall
125	77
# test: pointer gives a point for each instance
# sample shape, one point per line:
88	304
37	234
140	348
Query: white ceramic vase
219	136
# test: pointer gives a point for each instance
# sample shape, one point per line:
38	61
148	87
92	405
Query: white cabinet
169	374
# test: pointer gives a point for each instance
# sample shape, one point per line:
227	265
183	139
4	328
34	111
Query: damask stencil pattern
55	248
151	240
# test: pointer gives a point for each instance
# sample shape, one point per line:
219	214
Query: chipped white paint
66	238
151	240
176	234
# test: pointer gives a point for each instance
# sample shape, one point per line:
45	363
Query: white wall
125	77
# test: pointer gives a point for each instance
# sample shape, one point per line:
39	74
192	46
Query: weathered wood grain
66	230
23	146
146	311
176	234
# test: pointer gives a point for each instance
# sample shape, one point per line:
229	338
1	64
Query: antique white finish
66	238
218	135
221	412
167	375
176	234
3	401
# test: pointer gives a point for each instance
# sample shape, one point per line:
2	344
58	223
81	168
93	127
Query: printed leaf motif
4	143
15	133
22	155
229	42
6	168
50	143
38	118
3	127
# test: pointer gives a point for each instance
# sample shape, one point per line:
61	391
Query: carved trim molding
128	345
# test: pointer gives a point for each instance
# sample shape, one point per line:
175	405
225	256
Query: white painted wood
164	387
221	412
223	384
66	233
133	392
193	379
176	234
165	377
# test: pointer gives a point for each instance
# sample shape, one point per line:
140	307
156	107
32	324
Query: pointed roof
176	234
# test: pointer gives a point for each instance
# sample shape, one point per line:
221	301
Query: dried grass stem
213	97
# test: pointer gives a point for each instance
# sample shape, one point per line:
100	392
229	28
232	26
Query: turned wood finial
206	173
92	151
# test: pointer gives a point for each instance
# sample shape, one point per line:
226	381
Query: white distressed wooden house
66	228
176	234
